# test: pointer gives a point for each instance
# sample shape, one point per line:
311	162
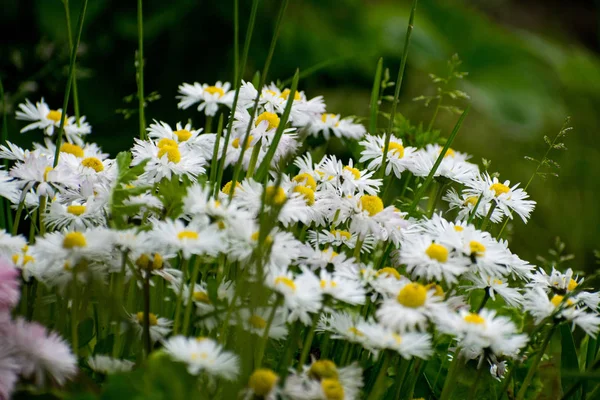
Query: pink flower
8	370
9	286
39	352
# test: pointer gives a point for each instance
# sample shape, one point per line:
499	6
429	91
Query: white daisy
209	97
399	158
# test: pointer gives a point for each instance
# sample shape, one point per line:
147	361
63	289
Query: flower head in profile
208	97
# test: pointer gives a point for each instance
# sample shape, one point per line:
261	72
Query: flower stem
263	342
188	307
487	218
534	365
147	341
308	342
389	132
378	389
140	70
474	210
403	367
486	297
449	383
63	116
478	378
70	37
184	270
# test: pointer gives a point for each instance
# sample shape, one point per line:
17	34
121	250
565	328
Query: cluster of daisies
314	252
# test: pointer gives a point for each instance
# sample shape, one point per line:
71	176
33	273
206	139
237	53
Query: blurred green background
531	64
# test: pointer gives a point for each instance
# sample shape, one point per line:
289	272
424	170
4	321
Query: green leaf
85	331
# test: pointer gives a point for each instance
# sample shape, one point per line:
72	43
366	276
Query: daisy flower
255	322
413	306
323	380
159	327
190	239
262	383
37	172
208	97
10	245
342	289
181	134
465	205
326	124
508	199
9	187
371	217
108	365
494	286
399	158
340	237
9	286
408	344
203	355
74	216
347	179
42	117
454	165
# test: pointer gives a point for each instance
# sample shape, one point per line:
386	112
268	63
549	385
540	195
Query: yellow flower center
151	318
499	188
74	239
27	258
15	258
372	204
449	153
477	248
497	281
236	142
201	297
412	295
353	171
458	228
270	117
323	369
472	200
326	117
356	332
72	149
271	92
76	209
325	283
342	234
332	389
183	135
183	235
285	281
557	299
166	142
144	262
262	381
46	171
172	152
572	285
437	252
306	180
257	322
474	318
397	149
332	255
54	115
214	89
438	289
286	93
389	272
268	239
307	193
227	187
93	163
276	197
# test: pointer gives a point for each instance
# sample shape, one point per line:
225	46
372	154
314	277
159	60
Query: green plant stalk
263	77
378	389
188	307
474	211
71	74
70	37
478	379
250	29
208	124
253	158
433	196
357	248
146	296
263	342
4	207
177	319
42	215
485	299
388	135
74	304
375	98
403	367
451	377
215	157
429	178
435	113
236	41
534	364
15	227
140	70
263	169
308	342
487	218
421	364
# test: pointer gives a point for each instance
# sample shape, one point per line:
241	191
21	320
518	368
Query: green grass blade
375	98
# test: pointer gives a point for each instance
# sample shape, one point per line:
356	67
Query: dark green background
530	64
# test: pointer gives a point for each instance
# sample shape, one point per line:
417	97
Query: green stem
263	77
534	365
308	342
253	160
4	205
74	301
486	297
184	270
140	71
478	378
208	124
375	98
236	41
147	341
263	342
474	210
42	215
435	113
188	306
433	196
15	227
70	37
215	157
378	388
403	367
450	382
487	218
63	115
390	130
419	370
429	178
239	75
357	248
